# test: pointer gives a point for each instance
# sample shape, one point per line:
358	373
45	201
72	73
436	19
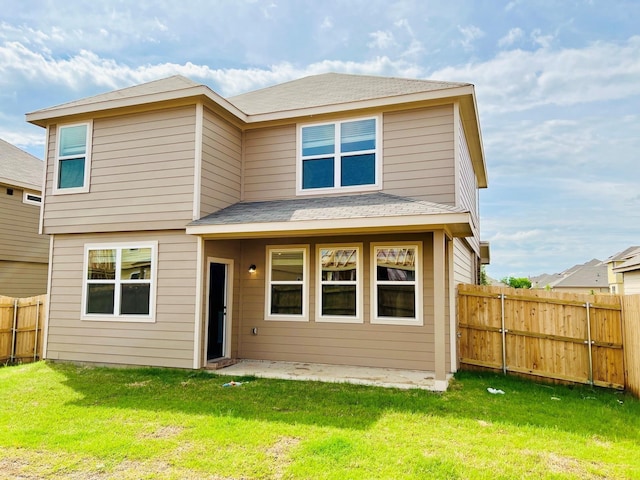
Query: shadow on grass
580	410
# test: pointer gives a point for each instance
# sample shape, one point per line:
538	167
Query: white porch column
439	304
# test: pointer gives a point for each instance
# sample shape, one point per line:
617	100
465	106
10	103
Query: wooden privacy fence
631	332
568	337
21	327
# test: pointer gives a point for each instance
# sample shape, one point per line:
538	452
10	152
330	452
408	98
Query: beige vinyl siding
168	342
468	186
463	262
221	164
23	279
363	344
142	174
418	154
19	238
270	163
632	283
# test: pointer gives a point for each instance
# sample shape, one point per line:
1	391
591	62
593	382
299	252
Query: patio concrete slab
379	377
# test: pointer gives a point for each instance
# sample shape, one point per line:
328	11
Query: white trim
377	152
418	320
197	168
358	318
197	350
402	223
228	293
304	317
456	153
26	199
44	181
119	246
453	334
87	160
45	337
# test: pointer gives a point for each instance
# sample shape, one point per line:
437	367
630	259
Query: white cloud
327	23
382	39
470	34
511	37
518	80
543	40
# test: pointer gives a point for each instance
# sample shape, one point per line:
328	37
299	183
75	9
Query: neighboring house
326	219
615	276
627	266
24	254
589	277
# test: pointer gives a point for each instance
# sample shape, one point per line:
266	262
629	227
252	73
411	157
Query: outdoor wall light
252	268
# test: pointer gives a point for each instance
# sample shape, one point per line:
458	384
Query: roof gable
20	168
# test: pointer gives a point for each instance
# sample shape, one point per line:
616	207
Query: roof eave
21	184
456	224
43	117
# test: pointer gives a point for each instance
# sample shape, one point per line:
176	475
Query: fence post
589	343
15	330
503	331
35	346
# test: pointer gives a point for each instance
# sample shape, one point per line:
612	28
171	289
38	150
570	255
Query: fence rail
567	337
21	327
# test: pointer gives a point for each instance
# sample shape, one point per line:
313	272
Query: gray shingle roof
20	168
592	274
331	89
372	205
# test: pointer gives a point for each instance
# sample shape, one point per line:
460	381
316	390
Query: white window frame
87	160
358	284
116	317
31	201
304	316
419	318
377	151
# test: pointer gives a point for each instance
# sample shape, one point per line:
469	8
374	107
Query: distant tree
517	282
484	278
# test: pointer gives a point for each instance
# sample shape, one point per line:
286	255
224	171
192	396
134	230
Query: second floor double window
339	156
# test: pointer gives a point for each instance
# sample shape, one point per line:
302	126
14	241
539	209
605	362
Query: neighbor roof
592	274
632	261
623	255
373	212
332	89
19	168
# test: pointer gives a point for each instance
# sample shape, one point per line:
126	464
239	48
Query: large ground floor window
119	282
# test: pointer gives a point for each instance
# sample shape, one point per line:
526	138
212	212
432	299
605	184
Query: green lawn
62	421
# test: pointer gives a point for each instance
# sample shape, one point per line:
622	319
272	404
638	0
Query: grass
63	421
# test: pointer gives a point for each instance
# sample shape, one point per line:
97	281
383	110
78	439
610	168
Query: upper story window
287	283
119	282
342	156
73	158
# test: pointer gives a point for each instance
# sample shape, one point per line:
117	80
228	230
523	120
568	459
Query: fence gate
21	327
570	337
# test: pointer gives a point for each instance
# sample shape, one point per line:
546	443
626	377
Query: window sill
407	322
121	318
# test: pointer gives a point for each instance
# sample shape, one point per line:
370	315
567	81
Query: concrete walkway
380	377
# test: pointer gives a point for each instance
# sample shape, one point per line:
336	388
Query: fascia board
18	184
459	224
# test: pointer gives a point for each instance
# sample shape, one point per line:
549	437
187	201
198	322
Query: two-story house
24	254
323	220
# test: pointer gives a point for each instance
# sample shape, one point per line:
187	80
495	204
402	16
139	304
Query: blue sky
557	84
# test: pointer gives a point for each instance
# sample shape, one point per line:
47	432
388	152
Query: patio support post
439	317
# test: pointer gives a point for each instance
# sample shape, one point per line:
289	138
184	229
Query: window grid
334	262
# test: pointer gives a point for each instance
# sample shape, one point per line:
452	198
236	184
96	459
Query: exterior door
217	310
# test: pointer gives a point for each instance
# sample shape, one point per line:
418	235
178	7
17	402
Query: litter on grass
555	398
232	384
495	391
